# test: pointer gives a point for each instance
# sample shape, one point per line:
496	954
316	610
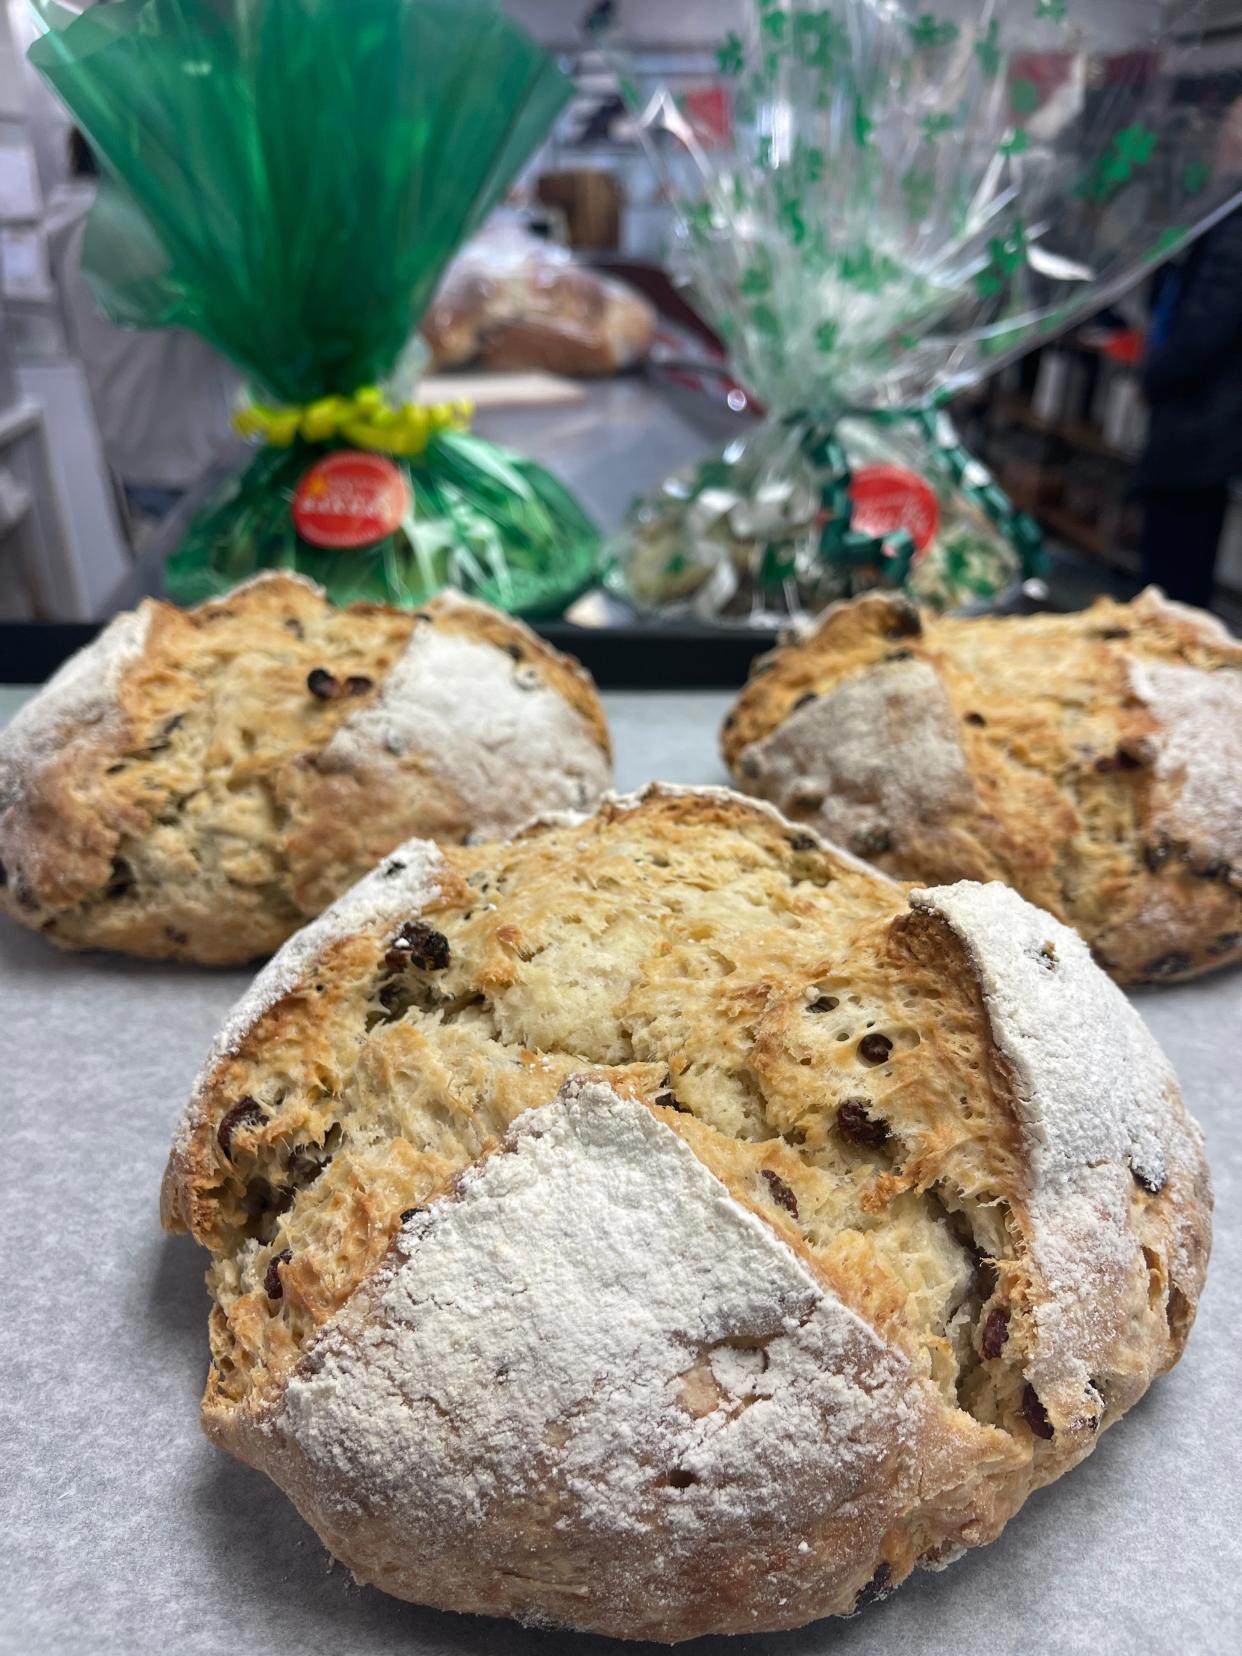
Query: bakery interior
114	441
665	360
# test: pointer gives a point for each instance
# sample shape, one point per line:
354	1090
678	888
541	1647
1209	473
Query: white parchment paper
125	1533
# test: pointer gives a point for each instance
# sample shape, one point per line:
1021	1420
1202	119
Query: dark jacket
1193	377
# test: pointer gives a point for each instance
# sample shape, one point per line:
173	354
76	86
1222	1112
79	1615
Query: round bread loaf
1091	761
664	1224
199	783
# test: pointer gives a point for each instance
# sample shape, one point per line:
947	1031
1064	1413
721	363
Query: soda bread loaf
199	783
1092	761
663	1224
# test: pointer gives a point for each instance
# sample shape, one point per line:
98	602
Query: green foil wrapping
912	195
288	179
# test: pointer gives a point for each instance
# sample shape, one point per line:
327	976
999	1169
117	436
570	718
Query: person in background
1193	381
163	399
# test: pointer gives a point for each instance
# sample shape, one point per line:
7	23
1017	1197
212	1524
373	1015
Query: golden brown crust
947	1272
466	619
211	778
561	319
1087	760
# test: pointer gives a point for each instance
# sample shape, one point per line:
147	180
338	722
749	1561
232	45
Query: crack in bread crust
1092	761
782	1035
202	782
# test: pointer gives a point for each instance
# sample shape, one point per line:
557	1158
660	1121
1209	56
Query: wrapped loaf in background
511	301
913	195
289	179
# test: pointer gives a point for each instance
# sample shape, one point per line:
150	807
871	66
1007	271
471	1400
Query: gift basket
511	301
289	179
913	195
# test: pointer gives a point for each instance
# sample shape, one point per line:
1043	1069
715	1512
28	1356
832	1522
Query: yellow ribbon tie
365	420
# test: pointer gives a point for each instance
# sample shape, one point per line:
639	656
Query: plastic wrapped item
914	195
512	302
289	179
788	520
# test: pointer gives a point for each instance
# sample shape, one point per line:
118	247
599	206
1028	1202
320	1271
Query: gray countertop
125	1533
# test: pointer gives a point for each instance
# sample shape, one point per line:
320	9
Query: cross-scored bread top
199	783
897	1190
1092	761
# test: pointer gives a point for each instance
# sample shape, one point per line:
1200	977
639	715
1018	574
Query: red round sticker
890	497
350	498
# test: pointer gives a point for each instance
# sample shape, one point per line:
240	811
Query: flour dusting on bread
75	700
687	1230
1199	767
867	760
559	1298
1098	1108
201	782
1092	761
505	740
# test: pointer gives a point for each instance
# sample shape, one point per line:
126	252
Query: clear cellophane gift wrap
913	195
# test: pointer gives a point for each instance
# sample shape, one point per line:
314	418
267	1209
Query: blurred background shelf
1076	434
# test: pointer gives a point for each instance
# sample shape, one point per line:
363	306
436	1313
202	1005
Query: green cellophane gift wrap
915	192
288	179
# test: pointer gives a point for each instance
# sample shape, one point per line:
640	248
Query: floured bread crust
1092	761
662	1224
199	783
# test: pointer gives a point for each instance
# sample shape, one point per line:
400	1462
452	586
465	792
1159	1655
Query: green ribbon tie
841	544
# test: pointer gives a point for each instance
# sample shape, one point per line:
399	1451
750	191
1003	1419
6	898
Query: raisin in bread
1092	761
199	783
664	1224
